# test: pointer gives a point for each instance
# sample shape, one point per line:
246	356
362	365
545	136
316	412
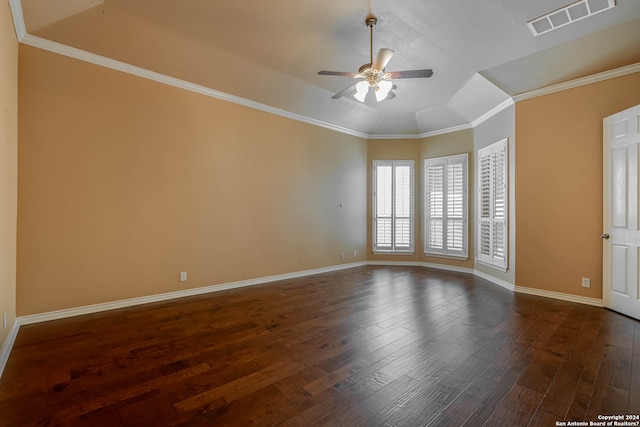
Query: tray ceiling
482	53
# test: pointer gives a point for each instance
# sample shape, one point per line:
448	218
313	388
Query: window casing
393	206
446	206
492	226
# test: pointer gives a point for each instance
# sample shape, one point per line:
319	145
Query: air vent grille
568	14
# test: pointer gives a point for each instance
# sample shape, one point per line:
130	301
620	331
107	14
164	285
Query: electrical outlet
355	253
183	276
586	282
341	255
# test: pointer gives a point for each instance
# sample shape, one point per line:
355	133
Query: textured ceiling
269	52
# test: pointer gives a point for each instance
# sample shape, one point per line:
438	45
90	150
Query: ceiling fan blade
382	59
338	73
412	74
348	91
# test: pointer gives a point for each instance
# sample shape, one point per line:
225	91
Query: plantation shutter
393	206
383	207
434	174
446	206
403	190
457	206
492	205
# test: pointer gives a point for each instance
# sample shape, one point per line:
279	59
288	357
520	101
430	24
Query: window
446	227
492	205
393	206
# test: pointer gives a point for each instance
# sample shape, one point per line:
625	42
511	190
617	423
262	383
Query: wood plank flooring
370	346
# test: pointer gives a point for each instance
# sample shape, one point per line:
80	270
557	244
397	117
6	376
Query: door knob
604	236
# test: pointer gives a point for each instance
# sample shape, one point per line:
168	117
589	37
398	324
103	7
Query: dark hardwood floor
373	346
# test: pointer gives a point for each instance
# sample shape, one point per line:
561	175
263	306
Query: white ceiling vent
568	14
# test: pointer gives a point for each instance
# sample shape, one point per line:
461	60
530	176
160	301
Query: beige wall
418	150
125	182
114	31
8	166
559	178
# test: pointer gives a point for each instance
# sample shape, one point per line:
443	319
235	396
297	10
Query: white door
621	237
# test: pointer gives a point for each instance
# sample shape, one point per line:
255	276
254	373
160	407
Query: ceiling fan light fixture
362	88
382	90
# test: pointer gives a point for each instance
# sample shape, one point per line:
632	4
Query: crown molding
571	84
394	136
18	19
446	130
113	64
423	135
495	110
483	118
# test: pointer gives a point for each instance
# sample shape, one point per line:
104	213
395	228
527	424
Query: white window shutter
393	206
456	207
403	201
434	174
446	226
492	205
499	207
383	206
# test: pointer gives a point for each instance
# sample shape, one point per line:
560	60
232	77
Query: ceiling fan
373	74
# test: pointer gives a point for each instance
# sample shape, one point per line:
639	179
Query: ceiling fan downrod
367	71
371	22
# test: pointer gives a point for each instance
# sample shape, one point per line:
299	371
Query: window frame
374	214
491	259
447	219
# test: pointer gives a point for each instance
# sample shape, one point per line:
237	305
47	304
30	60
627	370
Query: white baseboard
448	268
558	295
397	263
96	308
502	283
7	345
423	264
494	280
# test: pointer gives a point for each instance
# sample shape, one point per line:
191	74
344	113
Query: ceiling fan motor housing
371	75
